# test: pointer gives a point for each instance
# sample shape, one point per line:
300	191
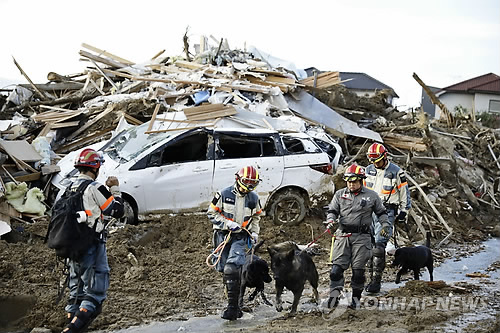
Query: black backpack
69	238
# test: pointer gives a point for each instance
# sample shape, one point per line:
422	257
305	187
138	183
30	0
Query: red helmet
376	152
354	172
248	178
89	158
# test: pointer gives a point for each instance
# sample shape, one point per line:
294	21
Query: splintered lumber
405	142
418	221
153	117
91	122
323	80
42	95
494	156
209	111
107	54
109	62
84	141
424	195
449	117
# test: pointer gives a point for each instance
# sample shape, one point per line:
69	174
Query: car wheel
129	214
288	207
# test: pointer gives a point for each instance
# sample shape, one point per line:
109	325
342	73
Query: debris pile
453	171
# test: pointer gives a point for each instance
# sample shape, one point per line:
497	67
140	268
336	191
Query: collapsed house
452	170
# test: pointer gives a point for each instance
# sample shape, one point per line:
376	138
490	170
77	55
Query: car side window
242	146
293	146
192	147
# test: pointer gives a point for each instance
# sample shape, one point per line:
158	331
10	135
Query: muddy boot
232	311
333	300
378	269
81	320
356	299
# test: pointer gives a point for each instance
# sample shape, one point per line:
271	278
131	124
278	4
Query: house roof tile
489	83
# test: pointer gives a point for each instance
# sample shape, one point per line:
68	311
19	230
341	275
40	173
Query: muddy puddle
452	271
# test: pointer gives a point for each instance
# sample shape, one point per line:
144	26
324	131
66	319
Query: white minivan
179	170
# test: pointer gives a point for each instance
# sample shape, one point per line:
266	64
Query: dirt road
158	274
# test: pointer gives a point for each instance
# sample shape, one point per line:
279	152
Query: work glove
330	224
255	238
401	218
233	226
385	231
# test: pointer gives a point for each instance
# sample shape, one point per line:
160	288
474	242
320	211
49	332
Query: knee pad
230	269
337	273
379	250
358	276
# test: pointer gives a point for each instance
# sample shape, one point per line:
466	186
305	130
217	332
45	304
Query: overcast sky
443	41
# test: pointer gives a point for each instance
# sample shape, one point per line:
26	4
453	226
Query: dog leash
220	249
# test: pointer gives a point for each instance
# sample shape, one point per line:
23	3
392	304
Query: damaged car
179	170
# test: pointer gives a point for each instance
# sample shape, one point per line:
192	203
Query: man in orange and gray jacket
235	214
389	181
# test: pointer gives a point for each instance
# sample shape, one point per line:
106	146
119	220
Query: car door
234	150
179	174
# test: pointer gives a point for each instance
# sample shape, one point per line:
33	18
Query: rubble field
158	273
158	269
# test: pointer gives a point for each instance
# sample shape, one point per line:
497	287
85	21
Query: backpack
65	234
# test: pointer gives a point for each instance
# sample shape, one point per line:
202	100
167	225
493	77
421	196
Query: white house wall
451	100
483	101
479	102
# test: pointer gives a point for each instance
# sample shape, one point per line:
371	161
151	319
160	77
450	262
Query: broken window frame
263	140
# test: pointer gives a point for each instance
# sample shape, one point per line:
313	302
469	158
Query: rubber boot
232	311
375	283
81	320
378	270
356	299
333	300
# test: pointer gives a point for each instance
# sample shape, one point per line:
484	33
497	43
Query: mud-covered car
178	171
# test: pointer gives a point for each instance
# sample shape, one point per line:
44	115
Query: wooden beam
91	122
42	95
429	202
102	60
449	117
153	117
107	54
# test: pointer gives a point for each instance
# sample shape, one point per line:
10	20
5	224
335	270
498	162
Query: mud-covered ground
158	273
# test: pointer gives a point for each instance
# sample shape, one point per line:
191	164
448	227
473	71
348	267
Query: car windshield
132	142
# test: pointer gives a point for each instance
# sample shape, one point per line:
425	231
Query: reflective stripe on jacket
229	205
355	210
390	184
98	201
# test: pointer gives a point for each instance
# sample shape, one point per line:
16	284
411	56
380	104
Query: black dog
254	274
414	258
292	268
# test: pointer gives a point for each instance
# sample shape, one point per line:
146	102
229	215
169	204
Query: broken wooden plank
494	156
101	115
153	117
29	177
418	221
429	202
41	94
107	54
20	149
106	61
84	141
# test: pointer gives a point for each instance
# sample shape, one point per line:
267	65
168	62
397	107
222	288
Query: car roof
246	130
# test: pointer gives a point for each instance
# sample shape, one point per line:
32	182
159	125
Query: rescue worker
352	208
89	276
235	213
389	181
